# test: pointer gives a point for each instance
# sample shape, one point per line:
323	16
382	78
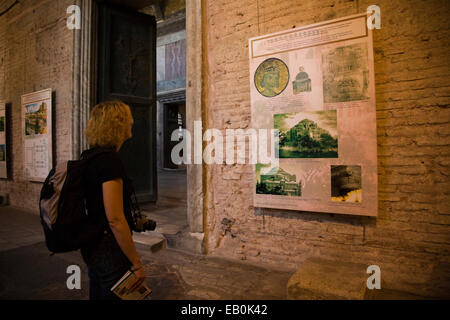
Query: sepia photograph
346	184
345	73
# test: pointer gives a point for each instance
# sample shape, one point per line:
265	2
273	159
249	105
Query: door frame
84	84
174	96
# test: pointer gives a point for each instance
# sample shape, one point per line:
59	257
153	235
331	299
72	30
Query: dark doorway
130	46
174	120
127	71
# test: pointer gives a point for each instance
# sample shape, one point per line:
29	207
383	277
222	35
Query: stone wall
35	54
410	238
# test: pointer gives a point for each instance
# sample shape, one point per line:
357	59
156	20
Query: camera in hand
142	223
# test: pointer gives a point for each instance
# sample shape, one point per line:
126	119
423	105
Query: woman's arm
113	202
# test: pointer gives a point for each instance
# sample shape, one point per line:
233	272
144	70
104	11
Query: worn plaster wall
410	238
35	54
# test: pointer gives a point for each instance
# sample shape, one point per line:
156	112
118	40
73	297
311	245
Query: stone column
194	113
84	56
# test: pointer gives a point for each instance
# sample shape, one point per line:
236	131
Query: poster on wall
3	170
37	133
315	85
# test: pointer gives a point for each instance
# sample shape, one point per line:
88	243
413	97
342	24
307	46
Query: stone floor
28	272
172	185
170	216
169	212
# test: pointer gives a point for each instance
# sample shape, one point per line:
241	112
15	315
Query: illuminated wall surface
410	236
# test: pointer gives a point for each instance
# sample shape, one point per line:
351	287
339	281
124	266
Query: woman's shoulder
97	153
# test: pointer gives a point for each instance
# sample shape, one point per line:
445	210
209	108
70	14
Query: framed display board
3	169
37	133
315	85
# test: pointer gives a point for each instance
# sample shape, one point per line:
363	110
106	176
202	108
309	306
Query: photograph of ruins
346	184
345	74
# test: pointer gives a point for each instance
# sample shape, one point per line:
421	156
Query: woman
108	201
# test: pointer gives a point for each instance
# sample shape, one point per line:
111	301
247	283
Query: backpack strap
90	156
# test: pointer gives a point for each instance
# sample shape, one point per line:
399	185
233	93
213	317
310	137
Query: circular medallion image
271	77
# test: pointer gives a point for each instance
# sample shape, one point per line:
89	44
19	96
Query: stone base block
319	279
153	240
185	240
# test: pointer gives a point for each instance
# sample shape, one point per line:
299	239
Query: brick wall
410	238
35	54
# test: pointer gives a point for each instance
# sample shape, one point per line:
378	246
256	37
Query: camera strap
136	209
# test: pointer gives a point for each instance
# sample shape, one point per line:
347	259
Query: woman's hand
140	278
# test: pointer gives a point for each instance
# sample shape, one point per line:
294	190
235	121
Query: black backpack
62	206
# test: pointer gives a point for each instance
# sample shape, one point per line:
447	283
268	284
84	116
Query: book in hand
122	287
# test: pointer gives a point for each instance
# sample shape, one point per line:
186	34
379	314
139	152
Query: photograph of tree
307	134
2	152
346	184
275	180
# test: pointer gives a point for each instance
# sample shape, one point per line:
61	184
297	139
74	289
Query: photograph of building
302	82
155	71
36	119
307	134
345	74
278	182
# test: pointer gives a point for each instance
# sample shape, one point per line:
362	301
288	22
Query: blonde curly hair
108	124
